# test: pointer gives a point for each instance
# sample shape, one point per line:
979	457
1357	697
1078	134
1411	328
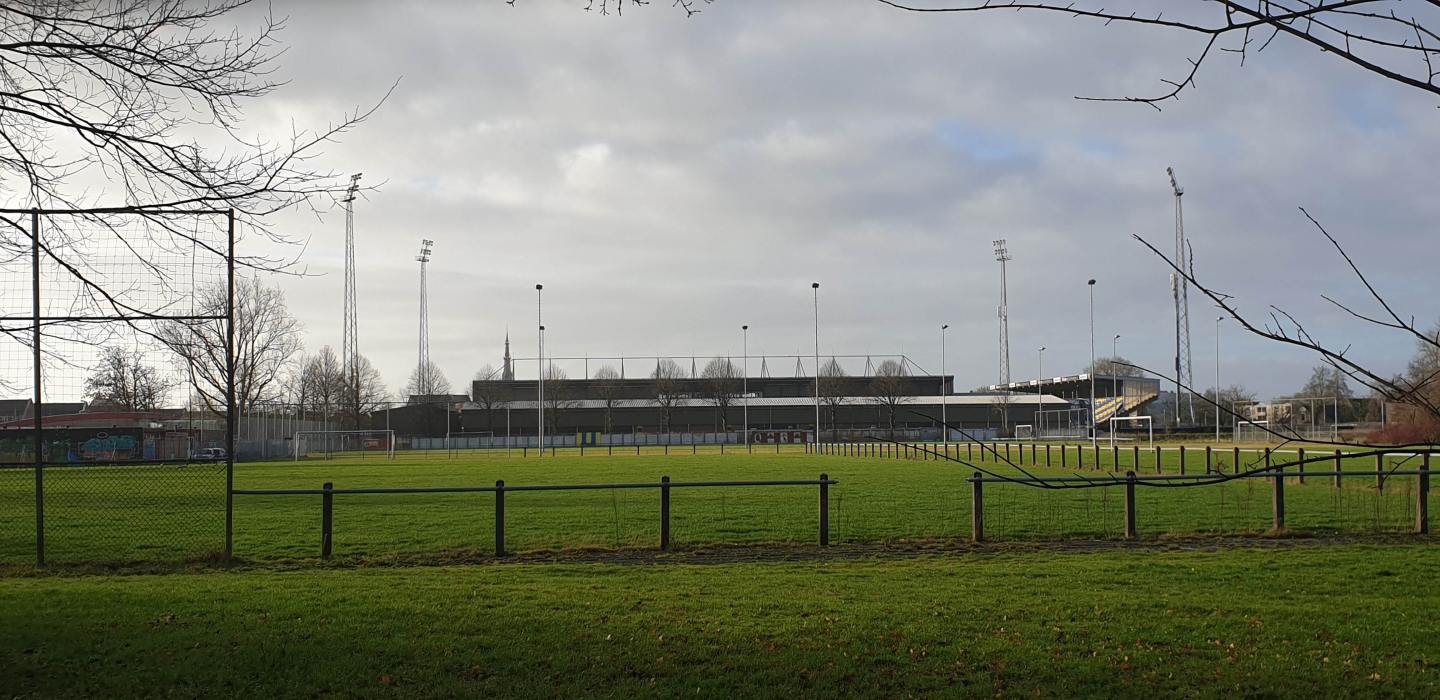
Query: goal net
1253	431
1134	422
1024	432
329	444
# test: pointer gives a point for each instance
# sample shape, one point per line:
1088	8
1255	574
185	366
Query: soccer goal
457	443
328	444
1025	432
1149	424
1252	431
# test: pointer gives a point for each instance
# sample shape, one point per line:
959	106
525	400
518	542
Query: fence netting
133	317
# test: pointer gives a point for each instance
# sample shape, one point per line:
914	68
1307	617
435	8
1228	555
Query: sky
670	179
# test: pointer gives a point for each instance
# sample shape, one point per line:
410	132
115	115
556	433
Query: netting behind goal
329	444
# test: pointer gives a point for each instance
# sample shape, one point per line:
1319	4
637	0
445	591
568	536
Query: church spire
507	372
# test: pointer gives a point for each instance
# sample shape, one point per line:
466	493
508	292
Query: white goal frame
388	434
1260	426
1028	427
1149	423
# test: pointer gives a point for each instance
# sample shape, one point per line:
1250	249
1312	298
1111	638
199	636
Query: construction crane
1184	400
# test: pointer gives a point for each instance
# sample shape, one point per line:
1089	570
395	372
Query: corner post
1130	530
500	518
824	510
977	509
327	520
665	512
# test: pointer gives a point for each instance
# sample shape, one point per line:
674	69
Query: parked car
211	453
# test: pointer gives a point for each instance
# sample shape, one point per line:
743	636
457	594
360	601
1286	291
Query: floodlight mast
422	371
1002	255
1180	288
350	346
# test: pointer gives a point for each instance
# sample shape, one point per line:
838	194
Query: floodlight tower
350	347
1179	286
423	369
1003	256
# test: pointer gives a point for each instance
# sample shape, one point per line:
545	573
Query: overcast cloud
670	179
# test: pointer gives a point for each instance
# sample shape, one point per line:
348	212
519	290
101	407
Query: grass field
1322	622
169	513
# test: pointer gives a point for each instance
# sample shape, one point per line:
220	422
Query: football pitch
137	514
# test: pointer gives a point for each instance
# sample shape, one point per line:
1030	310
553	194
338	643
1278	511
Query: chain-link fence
117	369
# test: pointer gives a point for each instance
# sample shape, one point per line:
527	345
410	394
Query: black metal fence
327	494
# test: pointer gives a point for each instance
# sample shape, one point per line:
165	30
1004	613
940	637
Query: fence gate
117	332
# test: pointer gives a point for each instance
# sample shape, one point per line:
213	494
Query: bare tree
722	387
267	337
888	389
1226	404
1000	406
1383	37
833	388
559	397
323	380
607	386
150	97
669	380
490	393
364	393
426	381
122	380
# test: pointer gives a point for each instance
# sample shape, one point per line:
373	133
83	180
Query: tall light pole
745	380
944	390
1092	362
1218	319
815	288
1040	390
540	373
1114	383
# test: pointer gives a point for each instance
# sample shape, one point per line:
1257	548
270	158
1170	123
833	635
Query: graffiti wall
63	445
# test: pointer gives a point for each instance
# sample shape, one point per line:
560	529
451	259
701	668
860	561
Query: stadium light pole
1218	319
1040	388
1092	363
1114	383
815	288
540	372
745	380
944	391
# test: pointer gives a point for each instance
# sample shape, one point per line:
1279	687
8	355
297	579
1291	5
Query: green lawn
171	513
1324	622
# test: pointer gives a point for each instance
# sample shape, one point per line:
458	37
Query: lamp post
815	288
1114	383
944	390
540	371
1218	319
745	381
1040	391
1092	362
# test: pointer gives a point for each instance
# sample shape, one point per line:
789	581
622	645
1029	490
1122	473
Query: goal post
330	443
1149	424
1025	432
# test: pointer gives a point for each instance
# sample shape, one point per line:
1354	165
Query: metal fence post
1079	456
1182	460
1130	530
1209	460
1159	464
500	518
1422	497
1337	468
1047	455
39	414
1300	463
327	520
1062	456
1235	468
977	509
824	510
1279	480
1097	457
665	512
